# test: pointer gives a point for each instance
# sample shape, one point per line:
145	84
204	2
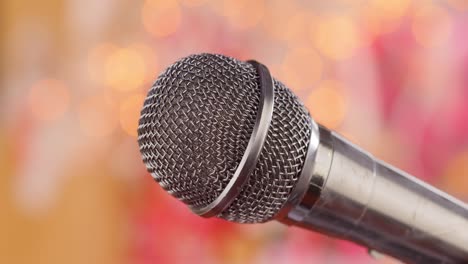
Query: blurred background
392	76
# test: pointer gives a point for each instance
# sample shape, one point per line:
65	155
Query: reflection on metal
356	197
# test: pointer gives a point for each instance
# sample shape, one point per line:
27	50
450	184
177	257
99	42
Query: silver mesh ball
194	128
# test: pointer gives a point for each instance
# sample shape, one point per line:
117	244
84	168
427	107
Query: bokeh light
193	3
96	62
432	25
130	113
383	16
161	17
298	27
455	180
336	37
327	103
151	60
48	99
279	28
299	63
97	116
125	69
242	14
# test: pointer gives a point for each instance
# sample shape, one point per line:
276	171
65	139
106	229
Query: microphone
228	140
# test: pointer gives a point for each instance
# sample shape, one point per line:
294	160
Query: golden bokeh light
350	3
301	68
275	27
431	25
455	177
150	58
327	102
161	18
336	37
298	28
97	116
382	16
130	113
97	59
242	14
125	69
193	3
48	99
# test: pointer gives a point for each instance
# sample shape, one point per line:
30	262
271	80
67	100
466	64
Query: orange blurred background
392	76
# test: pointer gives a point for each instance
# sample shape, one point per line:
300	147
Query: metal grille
196	123
280	162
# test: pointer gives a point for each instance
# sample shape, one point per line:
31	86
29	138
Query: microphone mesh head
194	128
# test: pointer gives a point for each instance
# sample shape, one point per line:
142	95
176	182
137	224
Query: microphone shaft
353	196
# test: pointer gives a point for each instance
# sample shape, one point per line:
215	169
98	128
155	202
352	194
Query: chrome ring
254	147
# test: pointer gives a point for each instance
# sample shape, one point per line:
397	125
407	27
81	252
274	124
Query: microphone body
353	196
228	140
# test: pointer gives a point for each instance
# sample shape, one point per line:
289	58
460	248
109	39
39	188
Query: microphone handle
353	196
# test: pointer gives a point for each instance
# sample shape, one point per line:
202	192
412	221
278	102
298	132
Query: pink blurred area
392	76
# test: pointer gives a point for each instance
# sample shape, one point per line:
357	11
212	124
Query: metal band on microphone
254	147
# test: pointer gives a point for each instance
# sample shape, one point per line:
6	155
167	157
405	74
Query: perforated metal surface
196	123
280	162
